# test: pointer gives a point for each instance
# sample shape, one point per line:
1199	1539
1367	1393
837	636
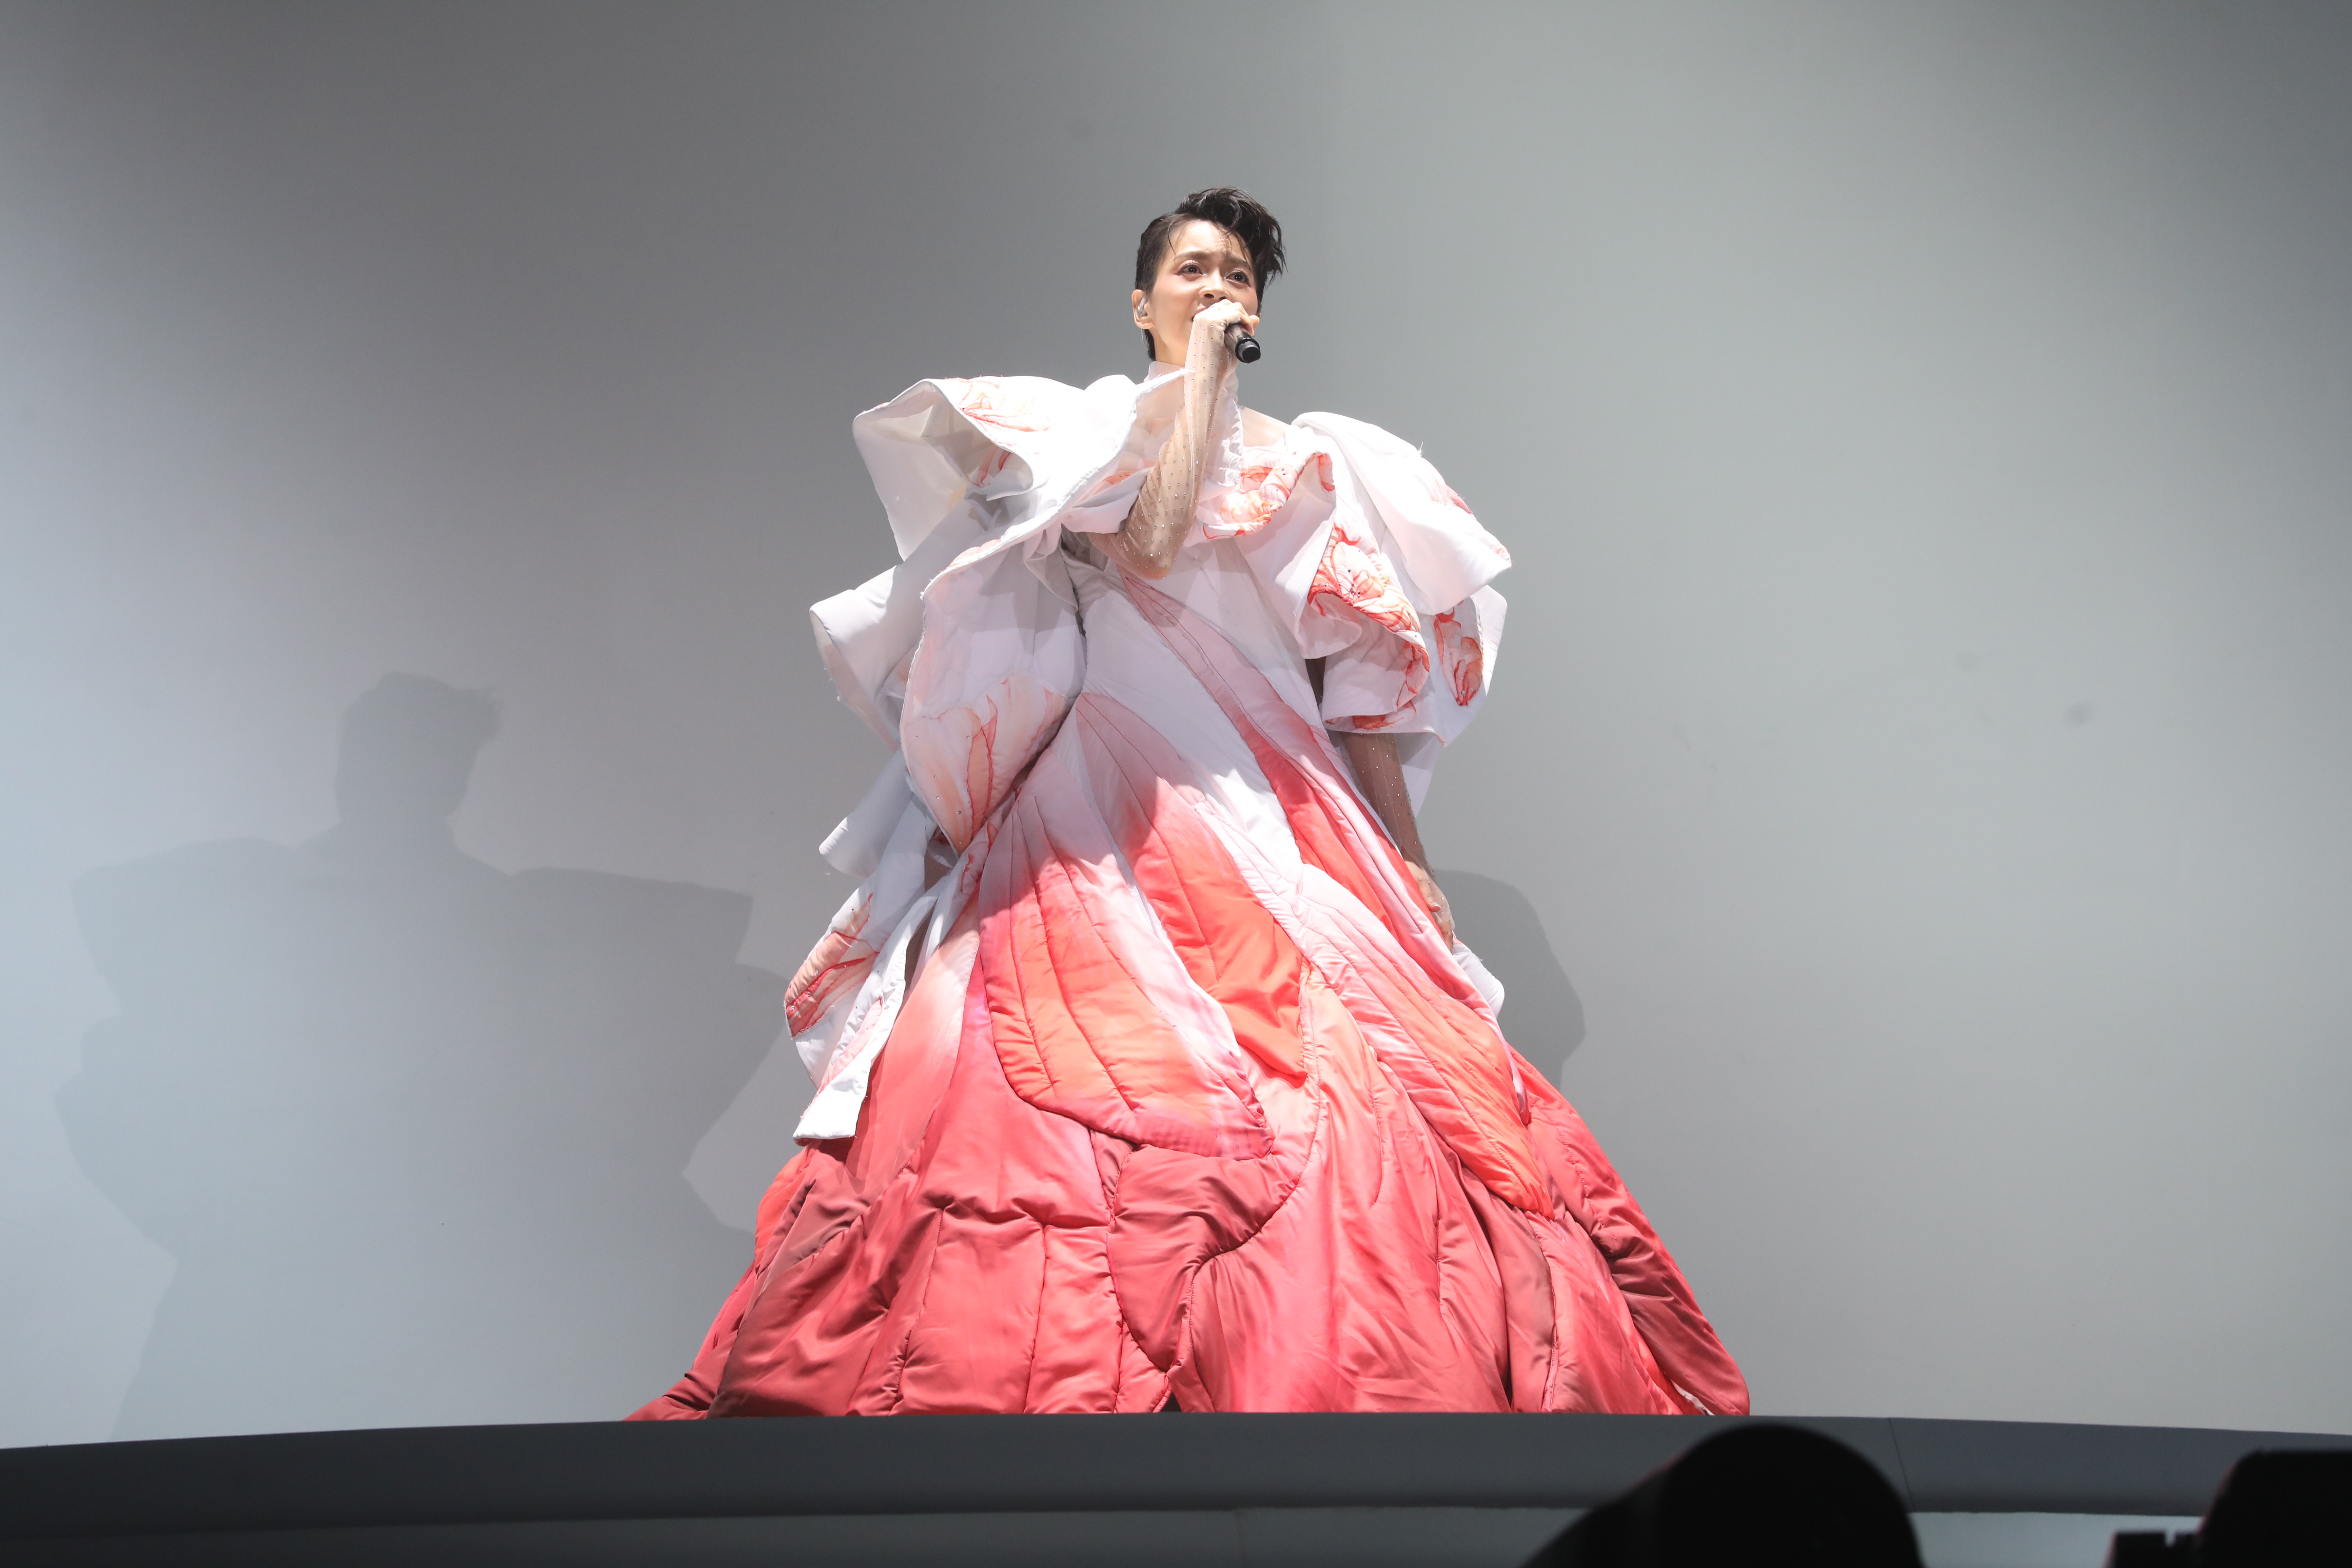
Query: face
1204	265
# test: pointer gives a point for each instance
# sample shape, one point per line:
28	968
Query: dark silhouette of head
408	751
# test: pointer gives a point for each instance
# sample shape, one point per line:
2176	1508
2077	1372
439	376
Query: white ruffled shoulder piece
964	658
1380	570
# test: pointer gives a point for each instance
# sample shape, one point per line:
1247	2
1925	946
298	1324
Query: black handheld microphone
1246	348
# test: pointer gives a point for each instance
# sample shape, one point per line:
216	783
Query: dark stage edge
1244	1489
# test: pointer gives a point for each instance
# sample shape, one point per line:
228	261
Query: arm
1147	542
1374	758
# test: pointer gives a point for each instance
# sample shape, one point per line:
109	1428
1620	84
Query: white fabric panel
856	845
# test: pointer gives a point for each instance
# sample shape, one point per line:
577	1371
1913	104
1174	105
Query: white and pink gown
1169	1087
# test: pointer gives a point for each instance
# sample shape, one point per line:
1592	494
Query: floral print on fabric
963	758
1458	654
1353	575
1389	671
987	400
835	967
1261	491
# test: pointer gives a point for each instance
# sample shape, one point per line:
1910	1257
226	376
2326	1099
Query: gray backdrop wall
1912	813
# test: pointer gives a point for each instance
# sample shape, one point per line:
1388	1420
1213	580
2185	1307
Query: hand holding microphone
1234	325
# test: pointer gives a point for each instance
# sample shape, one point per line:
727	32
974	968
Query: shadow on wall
414	1128
1541	1016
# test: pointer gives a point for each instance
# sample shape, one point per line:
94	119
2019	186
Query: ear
1142	306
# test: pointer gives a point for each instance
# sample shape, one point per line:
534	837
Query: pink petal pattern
834	968
1459	655
1262	491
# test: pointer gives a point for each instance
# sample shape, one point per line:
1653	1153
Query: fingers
1216	329
1432	899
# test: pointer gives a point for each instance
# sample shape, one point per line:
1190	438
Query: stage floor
1197	1490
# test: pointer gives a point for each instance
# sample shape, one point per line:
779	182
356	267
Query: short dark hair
1235	212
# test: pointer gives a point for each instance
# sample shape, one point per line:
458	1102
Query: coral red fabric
1166	1113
